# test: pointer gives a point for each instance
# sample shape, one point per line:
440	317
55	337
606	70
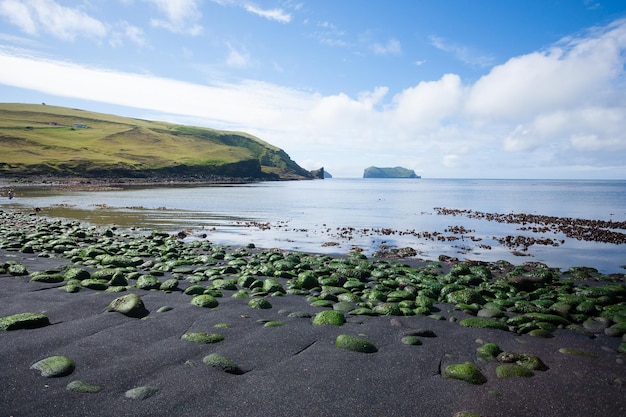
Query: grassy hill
37	139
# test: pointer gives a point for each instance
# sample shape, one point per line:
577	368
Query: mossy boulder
467	372
222	363
522	359
83	387
330	317
77	273
511	371
130	305
47	278
355	344
54	366
259	303
204	300
483	323
140	393
488	351
148	282
202	337
271	285
24	321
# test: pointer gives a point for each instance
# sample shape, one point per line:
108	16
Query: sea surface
336	216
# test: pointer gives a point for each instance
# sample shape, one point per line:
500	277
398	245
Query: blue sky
449	88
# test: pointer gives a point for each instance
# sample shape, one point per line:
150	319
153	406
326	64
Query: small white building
79	126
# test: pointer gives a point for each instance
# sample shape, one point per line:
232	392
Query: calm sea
338	215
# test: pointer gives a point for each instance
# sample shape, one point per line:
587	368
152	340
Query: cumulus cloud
47	16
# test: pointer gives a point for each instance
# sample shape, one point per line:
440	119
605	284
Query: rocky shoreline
151	325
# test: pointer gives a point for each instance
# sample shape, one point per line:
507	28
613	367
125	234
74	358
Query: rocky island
396	172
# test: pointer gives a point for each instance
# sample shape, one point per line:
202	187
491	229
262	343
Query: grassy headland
43	140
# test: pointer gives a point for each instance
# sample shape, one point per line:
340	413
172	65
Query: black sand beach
282	363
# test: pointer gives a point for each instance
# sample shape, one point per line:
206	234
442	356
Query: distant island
396	172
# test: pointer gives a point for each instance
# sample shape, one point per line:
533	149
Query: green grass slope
38	139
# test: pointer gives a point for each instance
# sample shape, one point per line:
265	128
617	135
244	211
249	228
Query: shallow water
338	215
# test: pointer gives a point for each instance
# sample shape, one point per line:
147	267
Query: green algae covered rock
509	371
270	285
488	351
331	317
522	359
274	324
222	363
467	372
483	323
204	300
95	284
140	393
259	303
54	366
129	305
202	337
24	321
411	340
16	269
83	387
148	282
355	344
77	273
47	278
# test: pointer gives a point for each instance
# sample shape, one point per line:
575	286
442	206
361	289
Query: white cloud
278	15
580	72
125	30
36	16
237	59
426	105
462	53
181	16
392	47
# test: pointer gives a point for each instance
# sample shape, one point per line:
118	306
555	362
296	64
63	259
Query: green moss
330	317
83	387
273	324
467	372
411	340
204	300
354	344
54	366
527	361
24	321
259	303
483	323
488	351
130	305
140	393
509	371
202	337
222	363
